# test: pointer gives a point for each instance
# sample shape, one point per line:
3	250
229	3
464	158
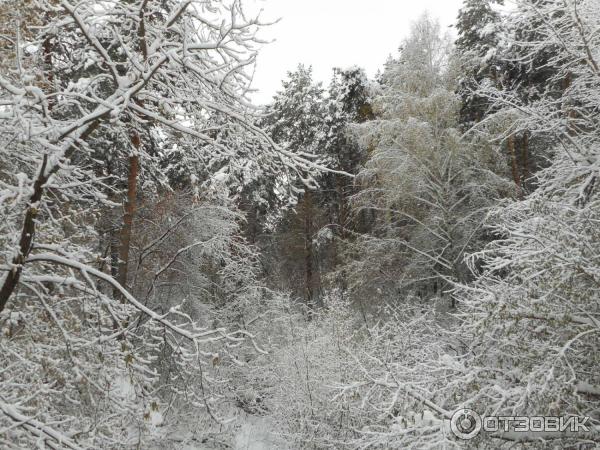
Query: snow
250	432
258	433
528	328
124	389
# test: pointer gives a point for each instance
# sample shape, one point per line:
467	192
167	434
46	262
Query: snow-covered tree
488	56
125	82
426	185
525	337
295	120
348	102
479	33
533	313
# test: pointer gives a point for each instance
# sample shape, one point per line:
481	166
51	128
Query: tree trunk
251	221
514	164
343	211
131	202
308	255
48	48
570	113
525	156
130	210
28	228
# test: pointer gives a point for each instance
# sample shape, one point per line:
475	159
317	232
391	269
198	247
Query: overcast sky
336	33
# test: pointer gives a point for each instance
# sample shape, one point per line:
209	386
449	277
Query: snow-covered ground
258	433
252	433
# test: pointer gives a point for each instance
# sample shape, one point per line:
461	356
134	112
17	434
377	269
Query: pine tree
348	103
295	120
479	34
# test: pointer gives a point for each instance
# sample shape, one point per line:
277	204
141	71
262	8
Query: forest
405	261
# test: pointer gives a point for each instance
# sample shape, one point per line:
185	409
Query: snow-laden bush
74	358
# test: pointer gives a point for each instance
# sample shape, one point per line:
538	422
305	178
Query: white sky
336	33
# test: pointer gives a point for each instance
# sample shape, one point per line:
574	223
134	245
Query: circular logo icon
465	424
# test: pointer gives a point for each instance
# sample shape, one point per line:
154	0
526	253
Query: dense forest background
345	267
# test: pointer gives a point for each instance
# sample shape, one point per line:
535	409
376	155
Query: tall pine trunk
514	164
525	156
308	255
130	211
